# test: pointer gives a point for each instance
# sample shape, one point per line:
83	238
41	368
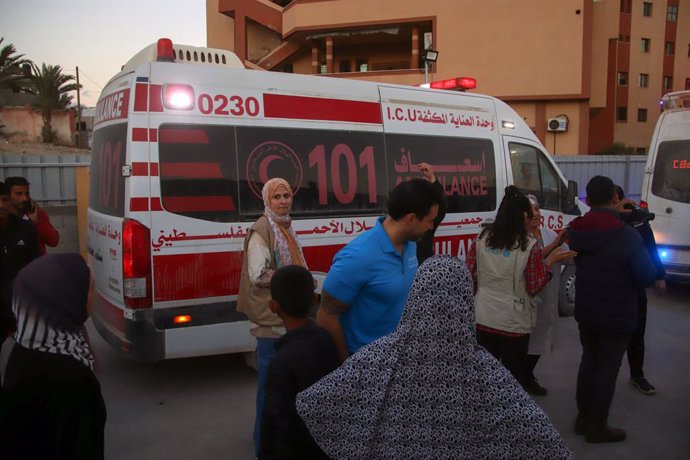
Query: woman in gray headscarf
428	390
51	405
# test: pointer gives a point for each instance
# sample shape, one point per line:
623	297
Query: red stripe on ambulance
148	98
315	108
138	204
206	203
140	168
183	136
144	135
192	170
195	276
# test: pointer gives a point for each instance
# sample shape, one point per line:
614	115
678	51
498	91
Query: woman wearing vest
541	338
270	244
508	269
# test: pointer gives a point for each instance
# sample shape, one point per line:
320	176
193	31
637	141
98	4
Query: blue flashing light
663	253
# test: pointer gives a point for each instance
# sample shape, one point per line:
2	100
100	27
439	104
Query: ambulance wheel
566	295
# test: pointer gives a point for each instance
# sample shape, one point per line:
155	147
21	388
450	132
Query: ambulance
185	138
666	185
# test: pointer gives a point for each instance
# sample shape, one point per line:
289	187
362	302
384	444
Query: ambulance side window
198	171
671	178
466	168
333	173
107	185
533	174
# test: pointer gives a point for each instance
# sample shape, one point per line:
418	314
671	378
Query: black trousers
636	345
602	353
510	351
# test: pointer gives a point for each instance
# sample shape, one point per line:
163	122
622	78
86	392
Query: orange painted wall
25	124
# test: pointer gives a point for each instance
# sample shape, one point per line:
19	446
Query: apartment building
584	74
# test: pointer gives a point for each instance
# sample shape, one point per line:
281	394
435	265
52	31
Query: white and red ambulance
185	138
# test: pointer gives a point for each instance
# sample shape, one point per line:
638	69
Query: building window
645	45
687	83
647	9
672	13
642	115
626	6
644	80
668	82
622	78
622	114
670	48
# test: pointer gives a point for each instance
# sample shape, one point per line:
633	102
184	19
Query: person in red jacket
24	207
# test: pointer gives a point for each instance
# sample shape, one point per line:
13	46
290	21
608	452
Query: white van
185	138
666	185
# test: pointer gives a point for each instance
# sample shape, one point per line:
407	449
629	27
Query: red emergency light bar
460	84
165	50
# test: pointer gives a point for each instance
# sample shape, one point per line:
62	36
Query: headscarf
289	250
428	390
49	302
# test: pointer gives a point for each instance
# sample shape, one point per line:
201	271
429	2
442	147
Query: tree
53	88
12	75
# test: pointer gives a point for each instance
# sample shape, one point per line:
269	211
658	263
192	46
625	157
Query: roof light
165	50
508	124
460	83
178	97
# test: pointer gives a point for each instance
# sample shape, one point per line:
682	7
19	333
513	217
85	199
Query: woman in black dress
51	405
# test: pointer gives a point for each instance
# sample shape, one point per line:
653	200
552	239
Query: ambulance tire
566	293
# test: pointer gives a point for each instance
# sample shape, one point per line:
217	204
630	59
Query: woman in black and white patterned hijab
51	404
428	390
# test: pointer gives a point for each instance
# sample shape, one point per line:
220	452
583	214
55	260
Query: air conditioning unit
558	124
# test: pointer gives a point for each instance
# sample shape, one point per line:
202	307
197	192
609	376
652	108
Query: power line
81	71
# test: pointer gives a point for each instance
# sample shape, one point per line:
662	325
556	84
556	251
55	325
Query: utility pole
78	111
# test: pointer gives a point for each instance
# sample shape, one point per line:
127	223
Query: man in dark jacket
18	247
639	220
611	262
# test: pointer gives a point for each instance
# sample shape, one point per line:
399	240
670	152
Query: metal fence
625	170
52	176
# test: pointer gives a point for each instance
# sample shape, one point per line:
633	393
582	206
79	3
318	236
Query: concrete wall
25	124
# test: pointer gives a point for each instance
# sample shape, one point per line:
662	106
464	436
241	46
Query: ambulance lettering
112	107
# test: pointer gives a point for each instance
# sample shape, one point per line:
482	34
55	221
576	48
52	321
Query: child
304	355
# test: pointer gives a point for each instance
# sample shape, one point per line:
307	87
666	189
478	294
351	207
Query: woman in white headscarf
541	338
270	244
428	390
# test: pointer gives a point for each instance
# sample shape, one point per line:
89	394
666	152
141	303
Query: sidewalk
658	426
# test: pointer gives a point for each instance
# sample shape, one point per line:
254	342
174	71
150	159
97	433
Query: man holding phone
24	207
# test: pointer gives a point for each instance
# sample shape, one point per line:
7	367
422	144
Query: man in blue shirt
366	288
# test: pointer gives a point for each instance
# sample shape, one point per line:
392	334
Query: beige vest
502	302
253	300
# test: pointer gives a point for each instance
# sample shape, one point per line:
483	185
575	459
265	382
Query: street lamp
429	56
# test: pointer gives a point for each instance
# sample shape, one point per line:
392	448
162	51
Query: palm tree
52	87
12	75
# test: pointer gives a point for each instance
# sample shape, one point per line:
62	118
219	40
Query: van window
534	174
334	173
198	171
106	182
466	168
671	179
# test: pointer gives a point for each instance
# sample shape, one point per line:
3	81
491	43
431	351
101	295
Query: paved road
203	408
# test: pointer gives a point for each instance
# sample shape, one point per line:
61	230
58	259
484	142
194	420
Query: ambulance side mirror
570	199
